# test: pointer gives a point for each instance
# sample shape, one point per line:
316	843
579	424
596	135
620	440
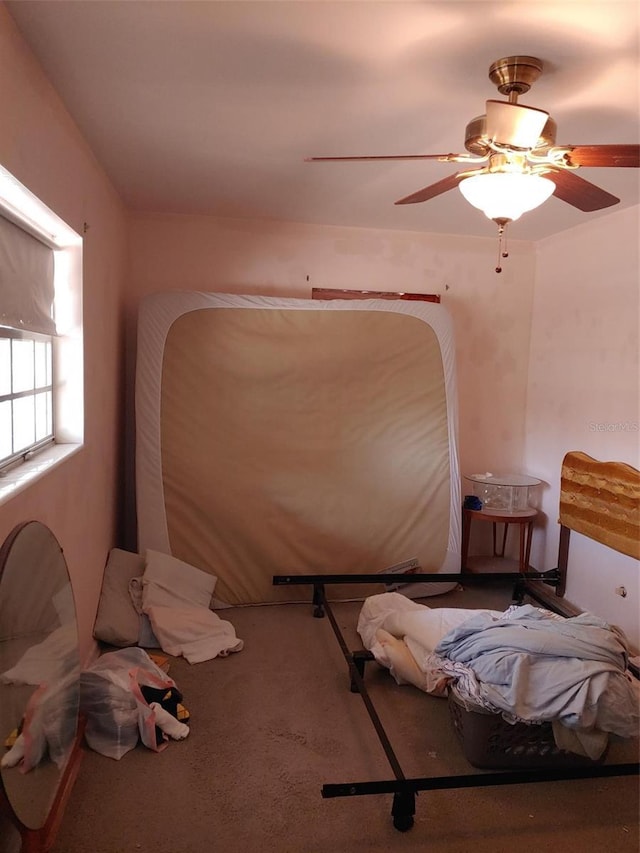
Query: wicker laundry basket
489	742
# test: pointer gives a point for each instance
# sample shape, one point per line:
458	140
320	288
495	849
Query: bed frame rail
520	581
405	789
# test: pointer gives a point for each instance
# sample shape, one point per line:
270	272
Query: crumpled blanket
176	598
196	633
533	668
432	648
402	635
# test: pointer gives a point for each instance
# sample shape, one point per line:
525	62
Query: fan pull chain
502	241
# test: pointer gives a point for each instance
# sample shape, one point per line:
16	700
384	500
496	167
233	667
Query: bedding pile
525	663
176	598
157	601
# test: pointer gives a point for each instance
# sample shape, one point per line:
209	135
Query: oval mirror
39	678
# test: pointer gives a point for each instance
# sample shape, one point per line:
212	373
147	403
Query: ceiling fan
512	163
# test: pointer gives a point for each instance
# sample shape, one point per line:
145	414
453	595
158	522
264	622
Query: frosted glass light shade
506	195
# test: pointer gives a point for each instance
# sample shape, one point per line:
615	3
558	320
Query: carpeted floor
273	723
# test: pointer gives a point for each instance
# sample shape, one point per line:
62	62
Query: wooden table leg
524	519
504	539
527	553
466	528
523	536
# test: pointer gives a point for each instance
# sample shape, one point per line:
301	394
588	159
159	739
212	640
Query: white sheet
176	598
196	633
403	634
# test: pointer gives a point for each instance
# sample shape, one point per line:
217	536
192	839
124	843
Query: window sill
18	478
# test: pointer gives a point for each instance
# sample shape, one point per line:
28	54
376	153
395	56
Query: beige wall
41	146
583	391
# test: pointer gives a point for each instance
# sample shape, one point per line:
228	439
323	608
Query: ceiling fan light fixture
514	124
506	195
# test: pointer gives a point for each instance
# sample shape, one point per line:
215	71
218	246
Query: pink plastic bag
117	713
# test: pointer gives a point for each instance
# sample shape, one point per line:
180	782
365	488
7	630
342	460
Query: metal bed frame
404	789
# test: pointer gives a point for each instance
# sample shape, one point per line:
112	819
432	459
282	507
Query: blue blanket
537	668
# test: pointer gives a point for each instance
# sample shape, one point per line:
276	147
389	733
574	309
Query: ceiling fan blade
578	192
604	155
443	186
370	157
514	124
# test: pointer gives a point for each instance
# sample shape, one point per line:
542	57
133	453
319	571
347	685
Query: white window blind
26	281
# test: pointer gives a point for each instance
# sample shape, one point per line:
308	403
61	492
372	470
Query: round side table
524	518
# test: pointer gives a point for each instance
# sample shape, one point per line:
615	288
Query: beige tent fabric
299	441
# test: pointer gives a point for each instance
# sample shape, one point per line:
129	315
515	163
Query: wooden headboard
601	500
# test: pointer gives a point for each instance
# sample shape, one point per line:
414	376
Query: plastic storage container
508	492
491	743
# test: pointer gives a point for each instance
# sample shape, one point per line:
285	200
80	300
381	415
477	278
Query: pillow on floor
117	621
169	582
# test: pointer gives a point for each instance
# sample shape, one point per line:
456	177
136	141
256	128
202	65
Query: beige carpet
273	723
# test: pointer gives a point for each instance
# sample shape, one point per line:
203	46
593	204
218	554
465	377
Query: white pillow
169	582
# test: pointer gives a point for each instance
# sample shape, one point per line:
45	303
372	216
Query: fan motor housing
515	74
477	142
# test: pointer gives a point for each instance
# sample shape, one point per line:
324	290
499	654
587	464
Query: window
41	347
26	394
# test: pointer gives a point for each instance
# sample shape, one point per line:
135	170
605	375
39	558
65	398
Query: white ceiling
211	107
